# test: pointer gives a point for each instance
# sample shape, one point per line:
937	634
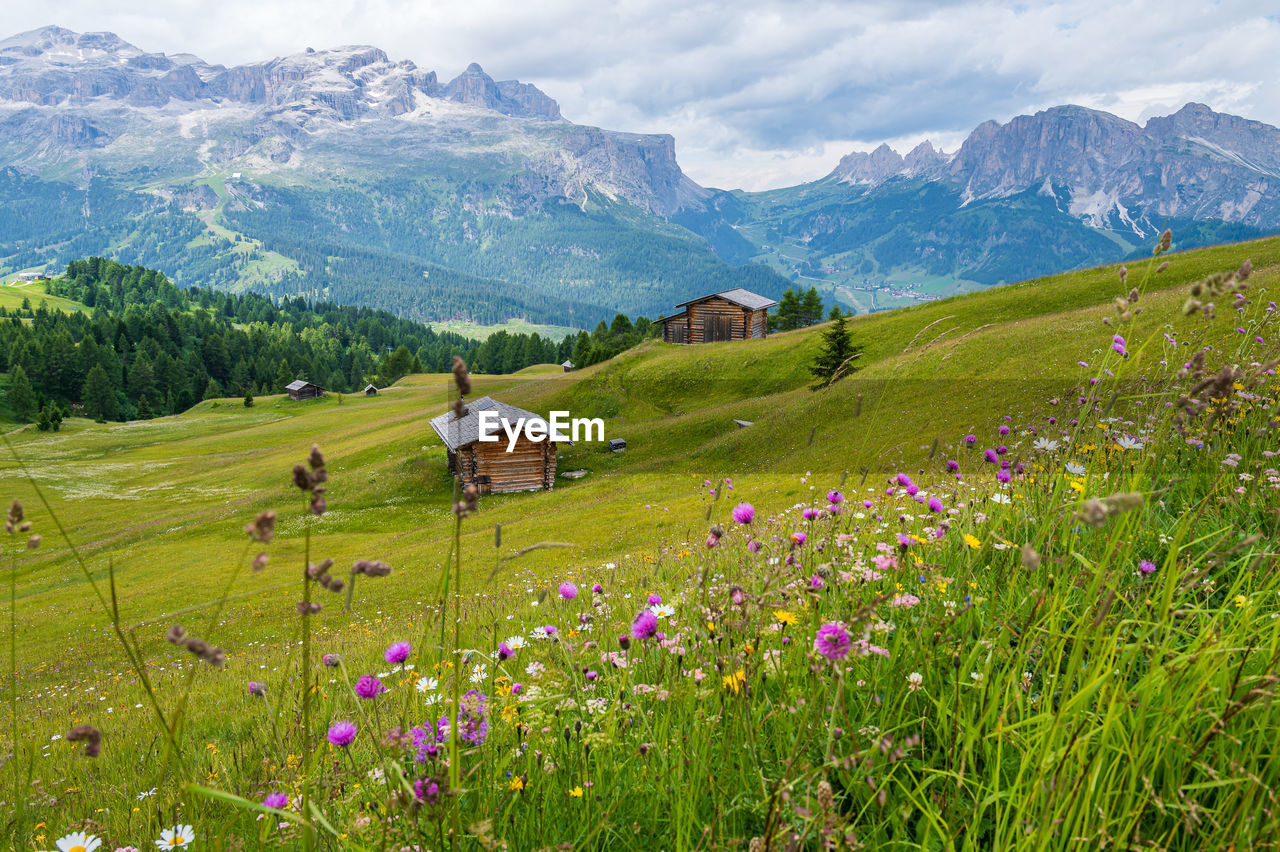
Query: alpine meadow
937	504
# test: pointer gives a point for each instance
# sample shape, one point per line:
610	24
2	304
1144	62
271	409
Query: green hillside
164	503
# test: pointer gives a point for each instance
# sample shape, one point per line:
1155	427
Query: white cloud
762	93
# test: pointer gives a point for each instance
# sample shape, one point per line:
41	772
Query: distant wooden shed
735	314
530	466
370	390
304	390
568	366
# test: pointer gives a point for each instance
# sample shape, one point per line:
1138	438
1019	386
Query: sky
760	93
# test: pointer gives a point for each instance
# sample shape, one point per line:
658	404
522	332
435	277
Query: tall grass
1074	644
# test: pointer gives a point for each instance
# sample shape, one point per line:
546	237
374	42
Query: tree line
145	347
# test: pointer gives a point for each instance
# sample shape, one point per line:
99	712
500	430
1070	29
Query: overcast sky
760	93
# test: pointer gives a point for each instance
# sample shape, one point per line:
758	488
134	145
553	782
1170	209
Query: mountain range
345	174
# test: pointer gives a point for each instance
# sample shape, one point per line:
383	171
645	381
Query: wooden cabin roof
745	298
459	432
299	385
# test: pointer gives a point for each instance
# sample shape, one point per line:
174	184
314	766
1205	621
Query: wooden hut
735	314
530	466
303	390
568	366
370	390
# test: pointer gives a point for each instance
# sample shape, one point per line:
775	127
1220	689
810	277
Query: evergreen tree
43	423
787	317
248	399
144	408
834	360
810	308
212	390
283	376
22	398
397	365
99	395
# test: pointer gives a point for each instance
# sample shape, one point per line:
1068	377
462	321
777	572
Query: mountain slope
341	173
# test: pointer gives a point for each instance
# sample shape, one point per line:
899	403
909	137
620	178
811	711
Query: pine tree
212	390
284	377
787	316
144	408
248	399
99	395
834	360
810	308
22	398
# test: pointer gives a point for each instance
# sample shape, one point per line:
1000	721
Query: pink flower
744	513
342	733
369	686
397	653
568	590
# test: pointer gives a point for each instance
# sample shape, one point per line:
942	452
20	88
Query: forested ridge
145	347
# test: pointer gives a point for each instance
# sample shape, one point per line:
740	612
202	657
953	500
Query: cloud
762	93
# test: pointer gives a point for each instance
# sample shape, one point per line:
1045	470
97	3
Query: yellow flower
784	616
734	682
517	783
576	792
972	541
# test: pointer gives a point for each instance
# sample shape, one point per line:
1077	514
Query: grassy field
13	292
1064	701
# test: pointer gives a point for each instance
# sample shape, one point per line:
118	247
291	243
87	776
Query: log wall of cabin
700	311
530	466
758	324
672	327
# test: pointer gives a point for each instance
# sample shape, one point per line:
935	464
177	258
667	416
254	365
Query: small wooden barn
530	466
370	390
303	390
568	366
735	314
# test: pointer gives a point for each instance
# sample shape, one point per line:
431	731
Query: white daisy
479	674
427	684
178	837
1076	469
146	794
1046	445
1000	498
516	642
78	841
1128	443
539	632
663	610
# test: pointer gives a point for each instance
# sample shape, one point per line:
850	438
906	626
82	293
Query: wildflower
817	583
991	456
1003	430
597	589
257	688
798	537
1076	469
811	513
1003	475
663	611
342	733
1045	445
972	541
515	643
915	681
517	784
1117	343
278	801
1146	566
504	652
262	528
397	653
78	841
744	513
784	617
426	790
952	465
971	439
576	792
835	498
645	625
655	599
178	837
735	681
832	641
935	505
754	546
369	686
427	684
332	661
568	590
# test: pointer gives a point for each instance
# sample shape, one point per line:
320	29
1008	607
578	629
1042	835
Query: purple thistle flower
397	653
1146	566
1003	430
991	456
342	733
426	790
754	545
655	599
568	590
971	439
597	589
953	465
904	541
744	513
798	537
811	513
904	480
832	641
549	629
817	583
276	801
835	498
368	686
504	652
867	504
645	625
1001	450
332	660
1003	475
257	688
935	505
913	489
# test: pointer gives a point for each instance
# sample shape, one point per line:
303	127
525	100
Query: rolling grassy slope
164	501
